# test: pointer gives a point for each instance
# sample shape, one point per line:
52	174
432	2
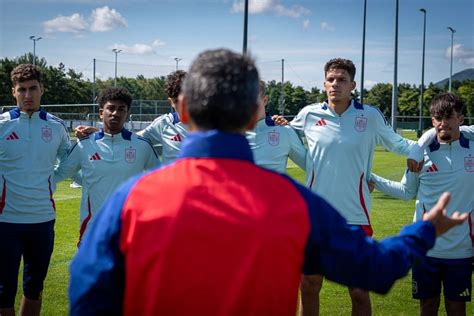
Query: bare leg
429	306
30	307
7	311
310	288
360	302
455	308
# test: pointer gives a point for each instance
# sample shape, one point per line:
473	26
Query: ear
432	121
41	89
461	119
265	100
353	84
183	109
253	120
13	92
101	112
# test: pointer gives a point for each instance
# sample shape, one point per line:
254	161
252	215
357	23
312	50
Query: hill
466	74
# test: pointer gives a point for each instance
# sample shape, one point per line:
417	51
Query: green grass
388	217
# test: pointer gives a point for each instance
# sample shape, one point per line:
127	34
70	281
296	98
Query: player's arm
297	150
299	121
345	255
153	160
406	189
82	131
97	270
154	131
415	157
386	136
468	131
69	166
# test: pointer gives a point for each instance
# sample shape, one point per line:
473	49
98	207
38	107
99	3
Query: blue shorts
33	242
454	274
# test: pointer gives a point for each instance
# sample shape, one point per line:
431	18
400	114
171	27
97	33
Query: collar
354	103
216	144
463	142
125	133
16	113
268	120
176	119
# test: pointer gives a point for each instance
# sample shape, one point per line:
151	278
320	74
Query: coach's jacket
214	234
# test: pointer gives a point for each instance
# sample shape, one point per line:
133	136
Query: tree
380	95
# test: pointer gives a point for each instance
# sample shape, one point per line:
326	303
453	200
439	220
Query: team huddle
214	227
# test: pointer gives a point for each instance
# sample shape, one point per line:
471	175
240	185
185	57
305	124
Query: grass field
388	216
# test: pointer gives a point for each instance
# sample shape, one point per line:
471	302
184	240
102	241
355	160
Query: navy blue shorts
453	274
33	242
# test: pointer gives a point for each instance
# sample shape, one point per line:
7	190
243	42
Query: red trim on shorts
51	194
86	221
367	230
361	198
4	195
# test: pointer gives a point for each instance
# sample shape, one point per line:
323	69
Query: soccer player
448	166
272	144
31	141
205	235
167	129
108	157
341	135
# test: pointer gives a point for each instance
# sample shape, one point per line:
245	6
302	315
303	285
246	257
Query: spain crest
130	155
469	164
274	138
360	123
47	134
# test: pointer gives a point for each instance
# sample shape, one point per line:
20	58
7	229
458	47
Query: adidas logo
432	168
465	293
95	157
321	122
176	138
12	136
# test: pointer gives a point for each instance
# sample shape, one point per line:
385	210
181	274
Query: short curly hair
110	94
25	72
341	63
173	84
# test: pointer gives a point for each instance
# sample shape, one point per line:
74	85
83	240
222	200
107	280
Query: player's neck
339	106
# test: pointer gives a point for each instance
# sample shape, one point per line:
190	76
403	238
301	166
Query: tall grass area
388	217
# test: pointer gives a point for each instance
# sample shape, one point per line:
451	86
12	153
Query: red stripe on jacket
170	221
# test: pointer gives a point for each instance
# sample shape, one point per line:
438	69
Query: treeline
66	86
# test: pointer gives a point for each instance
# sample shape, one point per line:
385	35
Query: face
114	114
338	85
28	95
447	129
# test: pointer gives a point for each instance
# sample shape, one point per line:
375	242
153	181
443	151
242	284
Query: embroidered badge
360	123
130	155
274	138
469	164
47	134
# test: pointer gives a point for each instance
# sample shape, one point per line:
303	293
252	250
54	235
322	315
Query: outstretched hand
84	130
414	166
279	120
437	216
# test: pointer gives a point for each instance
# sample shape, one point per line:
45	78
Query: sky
305	33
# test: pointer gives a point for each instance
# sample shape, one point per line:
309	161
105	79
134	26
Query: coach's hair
340	63
444	104
25	72
110	94
221	90
173	84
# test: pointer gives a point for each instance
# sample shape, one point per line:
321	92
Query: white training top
342	148
106	161
29	150
272	145
417	152
168	131
447	168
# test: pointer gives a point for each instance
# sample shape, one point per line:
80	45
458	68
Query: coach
214	234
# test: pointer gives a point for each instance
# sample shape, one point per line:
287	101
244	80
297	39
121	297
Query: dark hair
25	72
262	88
221	90
444	104
173	84
110	94
340	63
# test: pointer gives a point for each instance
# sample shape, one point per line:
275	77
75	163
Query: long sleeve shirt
447	168
30	147
342	149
